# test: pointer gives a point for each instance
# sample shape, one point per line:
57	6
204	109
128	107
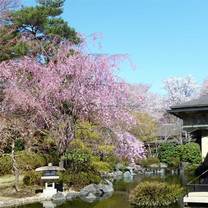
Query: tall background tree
180	89
141	99
6	6
35	31
204	88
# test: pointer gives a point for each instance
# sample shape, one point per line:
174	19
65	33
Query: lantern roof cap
50	167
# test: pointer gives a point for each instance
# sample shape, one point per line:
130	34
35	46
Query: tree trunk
156	149
28	143
149	148
15	169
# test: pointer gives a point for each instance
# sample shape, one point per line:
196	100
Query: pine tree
35	31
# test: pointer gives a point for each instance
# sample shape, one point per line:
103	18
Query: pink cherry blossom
73	86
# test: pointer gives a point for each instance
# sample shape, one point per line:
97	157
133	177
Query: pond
119	199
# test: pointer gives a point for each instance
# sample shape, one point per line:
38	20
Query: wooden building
195	120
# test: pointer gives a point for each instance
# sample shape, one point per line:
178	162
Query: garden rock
72	195
136	168
127	174
127	177
89	198
106	188
118	173
92	188
130	170
113	175
95	192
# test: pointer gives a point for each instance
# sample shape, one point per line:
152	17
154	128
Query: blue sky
163	38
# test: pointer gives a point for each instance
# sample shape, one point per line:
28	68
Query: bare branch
7	5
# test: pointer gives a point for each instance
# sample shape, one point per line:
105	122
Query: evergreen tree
35	31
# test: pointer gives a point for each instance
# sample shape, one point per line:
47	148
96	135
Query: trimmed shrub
5	165
32	178
190	170
101	166
29	160
52	157
112	160
155	194
78	160
191	153
79	180
174	163
25	160
82	168
167	152
147	162
19	145
171	153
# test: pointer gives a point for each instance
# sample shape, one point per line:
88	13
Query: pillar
204	144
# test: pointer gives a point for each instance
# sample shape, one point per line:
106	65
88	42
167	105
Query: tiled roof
195	103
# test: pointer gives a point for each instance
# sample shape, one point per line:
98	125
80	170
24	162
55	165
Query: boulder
117	174
92	188
106	188
130	170
89	198
136	168
106	195
72	195
95	192
114	175
128	174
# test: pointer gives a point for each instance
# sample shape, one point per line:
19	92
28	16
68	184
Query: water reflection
48	204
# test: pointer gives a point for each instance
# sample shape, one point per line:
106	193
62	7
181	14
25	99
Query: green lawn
8	180
7	188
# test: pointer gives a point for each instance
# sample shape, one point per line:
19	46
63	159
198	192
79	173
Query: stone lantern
49	177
